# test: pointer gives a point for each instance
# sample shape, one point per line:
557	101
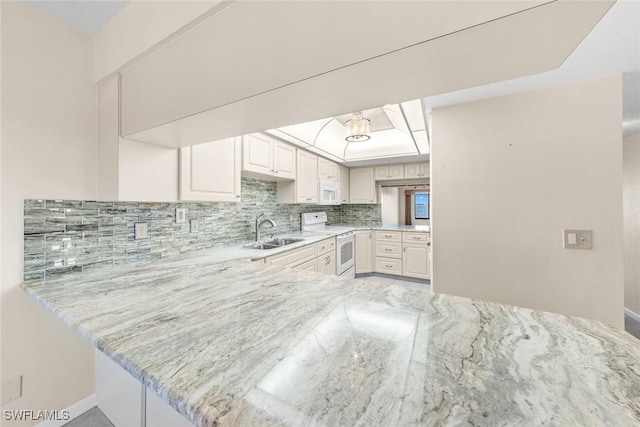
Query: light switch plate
141	230
194	225
181	215
11	390
577	239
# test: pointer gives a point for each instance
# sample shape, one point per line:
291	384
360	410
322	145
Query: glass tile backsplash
68	236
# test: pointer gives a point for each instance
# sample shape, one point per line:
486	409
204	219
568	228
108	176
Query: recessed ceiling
89	16
396	130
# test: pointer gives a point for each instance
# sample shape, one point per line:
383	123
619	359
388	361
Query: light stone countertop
240	343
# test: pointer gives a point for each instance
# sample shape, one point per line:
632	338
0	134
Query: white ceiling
89	16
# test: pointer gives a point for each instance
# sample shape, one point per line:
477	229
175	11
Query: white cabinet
265	157
211	171
118	394
327	170
305	187
307	179
284	160
327	263
416	170
344	184
158	413
294	257
364	252
362	186
120	397
388	172
416	255
311	265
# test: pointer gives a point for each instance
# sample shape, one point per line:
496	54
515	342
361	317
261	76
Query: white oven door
346	252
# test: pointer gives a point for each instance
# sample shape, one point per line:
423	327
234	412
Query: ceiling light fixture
357	128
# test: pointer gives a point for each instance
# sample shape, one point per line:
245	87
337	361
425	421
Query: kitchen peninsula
230	342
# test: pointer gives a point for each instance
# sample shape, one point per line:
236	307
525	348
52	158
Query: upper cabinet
344	184
305	187
267	158
211	171
362	186
327	170
416	170
389	172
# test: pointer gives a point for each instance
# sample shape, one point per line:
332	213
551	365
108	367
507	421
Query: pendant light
357	128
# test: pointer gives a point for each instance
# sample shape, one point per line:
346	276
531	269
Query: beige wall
631	197
508	174
139	27
48	151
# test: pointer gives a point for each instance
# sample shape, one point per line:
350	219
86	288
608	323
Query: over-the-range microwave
328	192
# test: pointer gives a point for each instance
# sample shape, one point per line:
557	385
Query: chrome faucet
259	223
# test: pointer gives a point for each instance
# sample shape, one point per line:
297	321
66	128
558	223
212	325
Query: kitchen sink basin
272	244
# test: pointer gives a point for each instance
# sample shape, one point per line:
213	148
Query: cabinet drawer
416	237
389	265
326	246
308	266
389	249
293	257
393	236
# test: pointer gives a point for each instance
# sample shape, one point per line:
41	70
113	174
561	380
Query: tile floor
92	418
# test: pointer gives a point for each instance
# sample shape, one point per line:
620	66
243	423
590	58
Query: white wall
631	197
508	174
48	151
147	172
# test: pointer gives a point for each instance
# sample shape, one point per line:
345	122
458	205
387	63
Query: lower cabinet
327	263
416	255
320	257
127	403
364	252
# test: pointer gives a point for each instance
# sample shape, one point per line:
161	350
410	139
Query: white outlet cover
141	230
194	225
181	215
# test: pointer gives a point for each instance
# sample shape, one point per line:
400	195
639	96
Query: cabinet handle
237	195
404	249
428	243
388	266
387	250
388	236
276	171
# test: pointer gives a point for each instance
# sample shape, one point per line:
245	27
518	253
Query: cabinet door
284	160
327	263
362	186
211	172
311	265
119	395
257	154
416	170
364	252
307	177
415	260
396	171
344	184
158	413
381	173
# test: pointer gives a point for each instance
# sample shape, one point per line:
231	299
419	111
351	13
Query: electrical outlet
11	390
141	230
194	225
181	215
291	218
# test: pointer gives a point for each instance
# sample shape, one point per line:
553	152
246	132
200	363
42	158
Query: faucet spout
259	224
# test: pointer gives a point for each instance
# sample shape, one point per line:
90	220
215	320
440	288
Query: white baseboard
631	314
76	409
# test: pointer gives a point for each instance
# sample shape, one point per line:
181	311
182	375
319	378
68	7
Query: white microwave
328	192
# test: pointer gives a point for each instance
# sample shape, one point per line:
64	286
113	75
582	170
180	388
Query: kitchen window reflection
421	206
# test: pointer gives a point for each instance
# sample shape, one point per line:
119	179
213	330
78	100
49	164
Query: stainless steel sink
272	244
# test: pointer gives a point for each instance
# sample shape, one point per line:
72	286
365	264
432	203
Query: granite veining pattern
239	343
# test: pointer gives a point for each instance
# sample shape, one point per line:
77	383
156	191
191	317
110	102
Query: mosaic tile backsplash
67	236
